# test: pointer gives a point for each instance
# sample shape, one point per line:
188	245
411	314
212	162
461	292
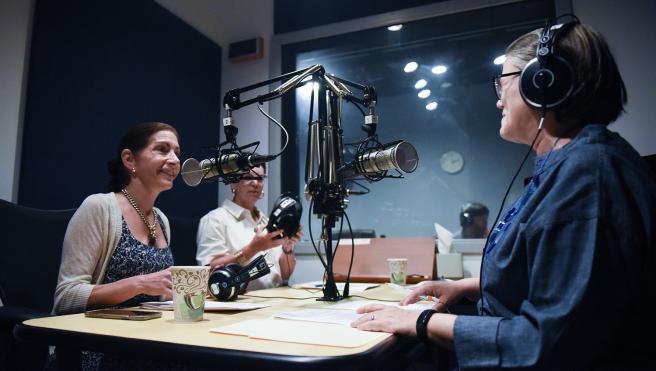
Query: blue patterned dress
130	258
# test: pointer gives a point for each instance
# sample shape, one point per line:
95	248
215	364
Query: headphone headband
548	79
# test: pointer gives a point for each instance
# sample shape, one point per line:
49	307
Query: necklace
152	228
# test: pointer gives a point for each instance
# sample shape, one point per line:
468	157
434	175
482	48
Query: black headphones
286	215
226	283
548	79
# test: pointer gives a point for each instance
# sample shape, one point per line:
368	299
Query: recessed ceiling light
439	69
420	84
424	94
410	67
431	106
500	59
396	27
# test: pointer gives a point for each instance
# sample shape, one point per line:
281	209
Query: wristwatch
422	324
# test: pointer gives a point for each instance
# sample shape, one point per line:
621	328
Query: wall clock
452	162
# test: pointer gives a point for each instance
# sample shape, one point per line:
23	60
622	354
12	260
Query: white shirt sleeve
211	238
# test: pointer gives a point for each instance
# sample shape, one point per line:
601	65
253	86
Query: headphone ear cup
219	279
465	220
550	85
217	284
234	271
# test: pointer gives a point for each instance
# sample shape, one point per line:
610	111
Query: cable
348	275
358	107
364	297
316	250
366	190
503	202
281	128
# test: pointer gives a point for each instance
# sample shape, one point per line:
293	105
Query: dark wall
294	15
99	67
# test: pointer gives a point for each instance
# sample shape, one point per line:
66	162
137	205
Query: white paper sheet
338	317
301	332
355	304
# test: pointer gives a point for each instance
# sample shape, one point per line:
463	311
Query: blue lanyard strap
500	229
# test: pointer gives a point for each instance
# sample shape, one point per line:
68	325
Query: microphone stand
326	187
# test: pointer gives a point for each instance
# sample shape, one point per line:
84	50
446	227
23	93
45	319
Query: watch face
452	162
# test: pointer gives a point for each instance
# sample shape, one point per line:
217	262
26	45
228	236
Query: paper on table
355	304
353	287
209	305
339	317
301	332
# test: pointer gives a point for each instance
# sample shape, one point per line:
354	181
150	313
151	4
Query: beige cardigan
91	237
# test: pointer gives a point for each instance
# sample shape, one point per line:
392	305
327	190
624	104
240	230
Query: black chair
183	241
651	162
31	252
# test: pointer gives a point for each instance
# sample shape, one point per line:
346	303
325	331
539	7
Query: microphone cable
503	202
314	245
281	128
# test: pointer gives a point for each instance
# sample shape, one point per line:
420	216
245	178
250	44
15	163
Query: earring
233	190
134	172
262	194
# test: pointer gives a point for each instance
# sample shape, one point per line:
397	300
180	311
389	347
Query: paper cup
189	290
398	268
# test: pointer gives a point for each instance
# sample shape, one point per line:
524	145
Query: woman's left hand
289	242
387	318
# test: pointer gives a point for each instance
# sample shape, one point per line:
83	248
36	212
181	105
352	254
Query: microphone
231	164
399	155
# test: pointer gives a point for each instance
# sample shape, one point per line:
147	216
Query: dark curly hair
135	139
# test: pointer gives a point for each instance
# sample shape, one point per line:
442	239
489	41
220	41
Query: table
192	343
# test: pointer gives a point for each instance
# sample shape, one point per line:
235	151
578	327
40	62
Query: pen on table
429	298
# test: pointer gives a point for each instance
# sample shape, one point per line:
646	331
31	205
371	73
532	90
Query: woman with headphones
562	268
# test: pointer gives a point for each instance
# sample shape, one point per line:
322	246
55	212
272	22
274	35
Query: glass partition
433	79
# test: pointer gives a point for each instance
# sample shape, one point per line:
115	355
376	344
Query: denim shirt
557	285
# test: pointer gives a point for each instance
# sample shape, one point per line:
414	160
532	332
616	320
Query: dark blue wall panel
99	67
294	15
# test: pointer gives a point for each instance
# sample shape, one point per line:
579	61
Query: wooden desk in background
192	344
370	261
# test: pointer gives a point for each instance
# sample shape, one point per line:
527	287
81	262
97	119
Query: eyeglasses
496	81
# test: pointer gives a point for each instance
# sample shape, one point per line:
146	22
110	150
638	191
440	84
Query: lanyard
500	229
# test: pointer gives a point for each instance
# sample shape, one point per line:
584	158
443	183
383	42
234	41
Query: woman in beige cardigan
115	250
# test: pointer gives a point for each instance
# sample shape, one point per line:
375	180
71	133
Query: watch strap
422	324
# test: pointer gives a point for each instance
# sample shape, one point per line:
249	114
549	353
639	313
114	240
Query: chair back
651	162
183	240
31	252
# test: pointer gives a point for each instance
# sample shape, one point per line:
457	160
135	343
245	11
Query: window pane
455	59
